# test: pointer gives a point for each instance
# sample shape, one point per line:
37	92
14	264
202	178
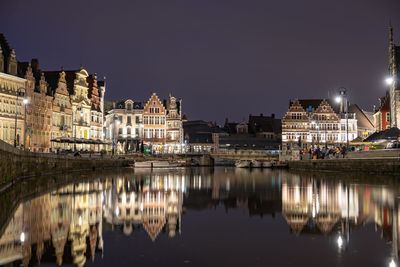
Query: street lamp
20	92
25	101
74	123
116	123
339	99
389	80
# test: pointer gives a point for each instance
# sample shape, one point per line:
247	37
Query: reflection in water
67	225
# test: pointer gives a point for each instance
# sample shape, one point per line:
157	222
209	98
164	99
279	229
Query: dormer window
129	106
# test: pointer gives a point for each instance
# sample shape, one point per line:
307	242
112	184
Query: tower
394	90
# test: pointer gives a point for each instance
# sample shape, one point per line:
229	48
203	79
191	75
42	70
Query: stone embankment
15	163
377	161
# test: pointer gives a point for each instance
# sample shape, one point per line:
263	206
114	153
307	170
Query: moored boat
267	164
242	164
256	164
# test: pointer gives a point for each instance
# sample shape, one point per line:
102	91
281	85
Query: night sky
224	58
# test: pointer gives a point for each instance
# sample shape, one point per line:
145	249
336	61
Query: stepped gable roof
310	105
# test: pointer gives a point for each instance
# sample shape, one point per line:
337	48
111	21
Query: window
128	131
120	131
120	119
137	119
129	120
129	106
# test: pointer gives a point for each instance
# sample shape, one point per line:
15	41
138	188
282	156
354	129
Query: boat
164	164
267	164
256	164
242	164
142	164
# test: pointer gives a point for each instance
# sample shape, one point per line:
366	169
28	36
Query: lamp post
339	99
74	124
25	101
20	92
116	123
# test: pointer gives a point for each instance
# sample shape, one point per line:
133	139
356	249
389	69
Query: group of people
323	153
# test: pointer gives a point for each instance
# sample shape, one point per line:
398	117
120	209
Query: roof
388	134
364	119
264	124
310	105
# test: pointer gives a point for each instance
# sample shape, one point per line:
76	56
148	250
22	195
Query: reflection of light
116	211
141	206
80	220
313	211
392	263
340	242
22	237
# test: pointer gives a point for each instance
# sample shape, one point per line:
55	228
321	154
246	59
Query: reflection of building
62	220
155	204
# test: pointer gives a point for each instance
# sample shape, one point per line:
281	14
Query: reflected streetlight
339	242
392	263
22	237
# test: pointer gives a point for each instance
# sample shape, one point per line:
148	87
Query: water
202	217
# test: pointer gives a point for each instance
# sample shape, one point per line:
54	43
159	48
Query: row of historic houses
65	110
155	124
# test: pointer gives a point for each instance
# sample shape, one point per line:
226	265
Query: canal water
202	217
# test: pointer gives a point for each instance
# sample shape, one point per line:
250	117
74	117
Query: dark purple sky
224	58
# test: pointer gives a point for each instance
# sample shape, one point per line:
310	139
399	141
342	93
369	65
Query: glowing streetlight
392	263
389	80
338	99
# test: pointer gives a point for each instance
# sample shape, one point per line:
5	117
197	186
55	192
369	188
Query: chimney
273	115
261	115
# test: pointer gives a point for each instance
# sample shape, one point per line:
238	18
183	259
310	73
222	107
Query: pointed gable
154	102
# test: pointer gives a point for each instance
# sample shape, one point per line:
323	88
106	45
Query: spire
391	46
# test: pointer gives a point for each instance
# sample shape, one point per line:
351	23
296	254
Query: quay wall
16	164
350	165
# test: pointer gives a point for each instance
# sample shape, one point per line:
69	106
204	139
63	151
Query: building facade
316	122
124	125
12	91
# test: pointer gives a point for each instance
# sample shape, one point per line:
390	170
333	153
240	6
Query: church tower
394	90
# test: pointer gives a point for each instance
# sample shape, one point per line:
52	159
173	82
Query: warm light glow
389	80
22	237
338	99
26	101
116	211
117	122
392	263
80	220
340	242
81	113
